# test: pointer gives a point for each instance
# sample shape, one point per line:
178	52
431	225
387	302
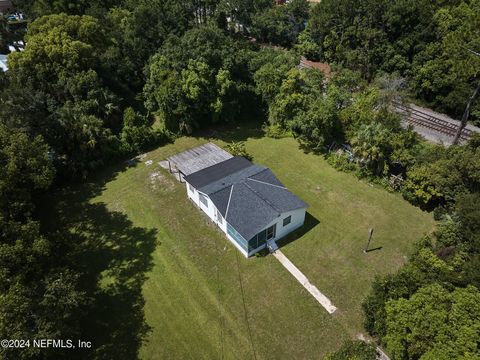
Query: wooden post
370	233
169	167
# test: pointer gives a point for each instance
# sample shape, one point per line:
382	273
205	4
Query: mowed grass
203	300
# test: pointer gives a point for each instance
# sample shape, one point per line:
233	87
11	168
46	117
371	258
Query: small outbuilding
247	202
196	159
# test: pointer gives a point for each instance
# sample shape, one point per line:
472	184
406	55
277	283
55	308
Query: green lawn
188	279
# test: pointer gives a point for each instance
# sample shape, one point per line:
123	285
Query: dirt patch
159	181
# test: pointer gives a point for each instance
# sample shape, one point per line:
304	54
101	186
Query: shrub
353	350
275	131
238	149
340	160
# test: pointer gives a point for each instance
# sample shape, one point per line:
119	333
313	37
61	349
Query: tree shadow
232	132
309	224
112	258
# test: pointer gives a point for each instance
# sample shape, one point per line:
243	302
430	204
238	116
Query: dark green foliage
270	69
140	29
353	350
424	40
138	134
38	8
189	94
280	25
434	324
440	175
319	125
36	300
238	149
61	70
241	11
275	131
425	309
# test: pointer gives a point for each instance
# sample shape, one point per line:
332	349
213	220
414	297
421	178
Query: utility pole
466	114
472	98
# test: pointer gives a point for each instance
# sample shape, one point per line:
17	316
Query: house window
287	220
219	217
203	200
271	232
191	188
237	237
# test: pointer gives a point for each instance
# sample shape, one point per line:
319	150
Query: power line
221	322
245	307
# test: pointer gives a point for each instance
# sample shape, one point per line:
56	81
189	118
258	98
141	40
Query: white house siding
210	209
298	218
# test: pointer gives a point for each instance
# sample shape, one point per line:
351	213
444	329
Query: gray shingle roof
216	172
248	196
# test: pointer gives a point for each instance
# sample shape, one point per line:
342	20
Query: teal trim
258	240
237	237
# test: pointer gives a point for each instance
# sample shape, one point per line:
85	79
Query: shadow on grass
112	257
309	224
230	132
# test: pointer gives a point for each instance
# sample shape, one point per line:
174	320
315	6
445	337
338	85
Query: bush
353	350
136	139
275	131
340	160
238	149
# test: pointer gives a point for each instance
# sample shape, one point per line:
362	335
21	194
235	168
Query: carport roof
198	158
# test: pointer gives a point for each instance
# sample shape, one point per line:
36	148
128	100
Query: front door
271	231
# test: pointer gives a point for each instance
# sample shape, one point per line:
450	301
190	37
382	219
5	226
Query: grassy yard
203	300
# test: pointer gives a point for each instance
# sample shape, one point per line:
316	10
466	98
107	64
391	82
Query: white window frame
203	197
219	217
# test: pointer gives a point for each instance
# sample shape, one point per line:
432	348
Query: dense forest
102	80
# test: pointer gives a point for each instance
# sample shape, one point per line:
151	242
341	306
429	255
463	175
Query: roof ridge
266	183
228	203
261	197
227	185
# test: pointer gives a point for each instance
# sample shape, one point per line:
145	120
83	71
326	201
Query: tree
446	71
319	125
36	301
296	94
280	24
434	324
188	94
270	68
25	166
445	174
39	8
353	350
62	68
240	12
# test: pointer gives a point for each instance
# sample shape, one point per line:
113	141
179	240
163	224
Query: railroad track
423	119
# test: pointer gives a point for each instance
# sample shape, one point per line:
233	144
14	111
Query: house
247	202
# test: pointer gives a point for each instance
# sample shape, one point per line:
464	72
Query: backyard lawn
200	297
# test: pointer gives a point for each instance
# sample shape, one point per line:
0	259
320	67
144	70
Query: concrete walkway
302	279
